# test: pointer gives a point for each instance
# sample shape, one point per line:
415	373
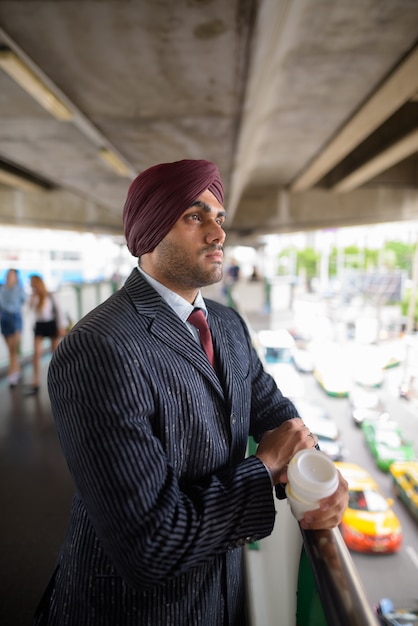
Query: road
394	575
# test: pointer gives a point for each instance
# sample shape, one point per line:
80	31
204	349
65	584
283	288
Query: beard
179	268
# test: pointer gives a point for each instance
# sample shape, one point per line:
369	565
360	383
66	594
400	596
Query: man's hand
279	445
331	509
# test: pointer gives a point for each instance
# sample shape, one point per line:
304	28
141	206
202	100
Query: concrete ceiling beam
59	210
399	151
400	87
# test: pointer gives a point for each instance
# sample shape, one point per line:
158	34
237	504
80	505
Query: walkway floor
36	492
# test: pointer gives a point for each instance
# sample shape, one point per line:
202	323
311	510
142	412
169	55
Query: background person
12	297
155	436
233	272
231	277
50	323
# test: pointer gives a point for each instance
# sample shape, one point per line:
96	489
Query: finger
283	476
314	439
296	420
319	520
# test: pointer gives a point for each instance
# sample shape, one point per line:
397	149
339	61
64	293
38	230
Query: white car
276	345
323	426
366	404
287	379
303	360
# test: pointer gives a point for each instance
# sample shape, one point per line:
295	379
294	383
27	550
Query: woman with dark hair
12	297
49	323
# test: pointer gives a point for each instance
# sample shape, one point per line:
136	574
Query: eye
193	217
220	221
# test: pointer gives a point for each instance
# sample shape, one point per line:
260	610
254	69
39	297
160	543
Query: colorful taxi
335	380
405	484
369	523
387	443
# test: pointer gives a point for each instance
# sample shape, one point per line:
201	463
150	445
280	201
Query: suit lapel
164	324
227	366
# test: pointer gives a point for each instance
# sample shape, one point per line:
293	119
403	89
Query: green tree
354	258
307	261
403	254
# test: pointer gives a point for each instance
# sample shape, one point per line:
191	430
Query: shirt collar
179	305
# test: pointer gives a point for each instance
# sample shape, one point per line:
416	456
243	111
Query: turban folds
159	196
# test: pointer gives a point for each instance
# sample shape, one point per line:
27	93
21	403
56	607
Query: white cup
311	475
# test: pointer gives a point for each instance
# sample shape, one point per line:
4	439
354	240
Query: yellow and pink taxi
369	523
405	484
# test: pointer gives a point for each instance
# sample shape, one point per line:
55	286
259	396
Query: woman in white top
49	323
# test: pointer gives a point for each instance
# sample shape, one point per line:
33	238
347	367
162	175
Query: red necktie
198	319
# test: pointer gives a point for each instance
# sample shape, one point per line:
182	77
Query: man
155	435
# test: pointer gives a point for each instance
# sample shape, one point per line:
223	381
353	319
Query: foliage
306	261
405	306
394	255
404	254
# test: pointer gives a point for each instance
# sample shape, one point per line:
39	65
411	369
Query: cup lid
313	472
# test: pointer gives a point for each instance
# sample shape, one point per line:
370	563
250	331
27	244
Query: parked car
370	363
366	404
403	612
368	374
387	443
276	346
288	380
303	360
323	426
301	335
405	484
390	359
369	523
334	380
408	389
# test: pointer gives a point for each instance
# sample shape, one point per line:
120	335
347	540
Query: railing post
339	586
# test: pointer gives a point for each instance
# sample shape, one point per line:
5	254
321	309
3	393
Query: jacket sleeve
151	527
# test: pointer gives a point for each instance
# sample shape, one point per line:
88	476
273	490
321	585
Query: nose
215	233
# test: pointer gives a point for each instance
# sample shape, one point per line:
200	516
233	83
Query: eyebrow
207	208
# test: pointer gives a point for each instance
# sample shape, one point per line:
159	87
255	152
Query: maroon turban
160	195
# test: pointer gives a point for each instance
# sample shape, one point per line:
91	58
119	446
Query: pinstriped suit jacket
155	441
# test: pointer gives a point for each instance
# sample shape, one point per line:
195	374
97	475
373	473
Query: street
394	575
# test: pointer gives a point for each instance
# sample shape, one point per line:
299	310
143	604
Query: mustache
214	248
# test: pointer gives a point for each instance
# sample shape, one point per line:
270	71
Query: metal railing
338	584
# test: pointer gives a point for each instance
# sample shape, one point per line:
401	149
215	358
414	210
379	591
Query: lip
216	256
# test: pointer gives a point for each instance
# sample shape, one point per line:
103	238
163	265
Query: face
34	285
190	256
11	278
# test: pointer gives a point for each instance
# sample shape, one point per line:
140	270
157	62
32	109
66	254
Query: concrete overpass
309	108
